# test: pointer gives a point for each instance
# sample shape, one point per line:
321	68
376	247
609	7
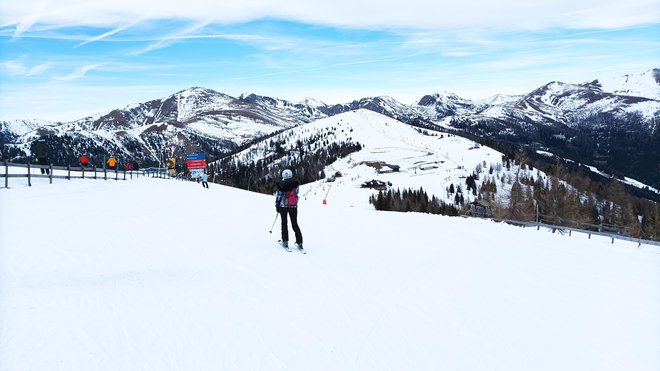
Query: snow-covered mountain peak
443	96
499	99
196	90
312	102
263	100
554	88
193	101
381	100
22	127
646	85
445	104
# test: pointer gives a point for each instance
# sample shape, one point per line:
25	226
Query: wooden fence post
124	174
105	173
29	183
68	168
6	173
50	173
94	171
116	173
83	171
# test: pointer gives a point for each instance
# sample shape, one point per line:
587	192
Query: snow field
165	275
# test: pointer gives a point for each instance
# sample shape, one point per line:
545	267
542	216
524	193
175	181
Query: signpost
196	164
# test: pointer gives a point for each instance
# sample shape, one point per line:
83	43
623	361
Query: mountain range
608	123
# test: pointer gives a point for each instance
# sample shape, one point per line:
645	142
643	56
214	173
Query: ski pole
271	228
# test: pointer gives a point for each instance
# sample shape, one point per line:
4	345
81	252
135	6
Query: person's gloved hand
277	208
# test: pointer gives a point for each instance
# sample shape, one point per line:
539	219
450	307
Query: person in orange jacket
112	162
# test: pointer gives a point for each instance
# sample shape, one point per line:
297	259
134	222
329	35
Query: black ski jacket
282	188
40	150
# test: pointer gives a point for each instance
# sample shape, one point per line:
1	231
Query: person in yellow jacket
112	162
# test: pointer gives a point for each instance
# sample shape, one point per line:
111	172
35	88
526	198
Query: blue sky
63	61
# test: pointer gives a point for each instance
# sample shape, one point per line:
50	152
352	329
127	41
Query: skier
40	151
286	202
205	179
112	162
84	161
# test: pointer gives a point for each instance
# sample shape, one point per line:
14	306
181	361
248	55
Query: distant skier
205	179
112	162
286	202
84	161
40	151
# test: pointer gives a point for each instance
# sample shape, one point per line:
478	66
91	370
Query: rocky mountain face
194	119
581	122
610	123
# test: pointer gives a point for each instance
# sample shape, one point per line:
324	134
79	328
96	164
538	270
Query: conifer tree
516	202
529	207
651	224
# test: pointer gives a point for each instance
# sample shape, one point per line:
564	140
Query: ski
287	248
302	250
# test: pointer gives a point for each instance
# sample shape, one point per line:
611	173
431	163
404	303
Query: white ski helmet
287	174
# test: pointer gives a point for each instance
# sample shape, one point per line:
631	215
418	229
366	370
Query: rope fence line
79	172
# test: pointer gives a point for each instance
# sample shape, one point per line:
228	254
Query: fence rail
79	172
563	230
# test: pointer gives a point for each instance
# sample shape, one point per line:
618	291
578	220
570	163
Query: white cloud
38	69
103	36
81	71
18	68
411	14
171	39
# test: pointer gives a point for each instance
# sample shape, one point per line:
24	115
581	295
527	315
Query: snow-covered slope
21	127
433	161
645	85
113	275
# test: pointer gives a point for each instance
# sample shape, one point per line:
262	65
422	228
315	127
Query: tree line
565	197
307	158
411	200
619	144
